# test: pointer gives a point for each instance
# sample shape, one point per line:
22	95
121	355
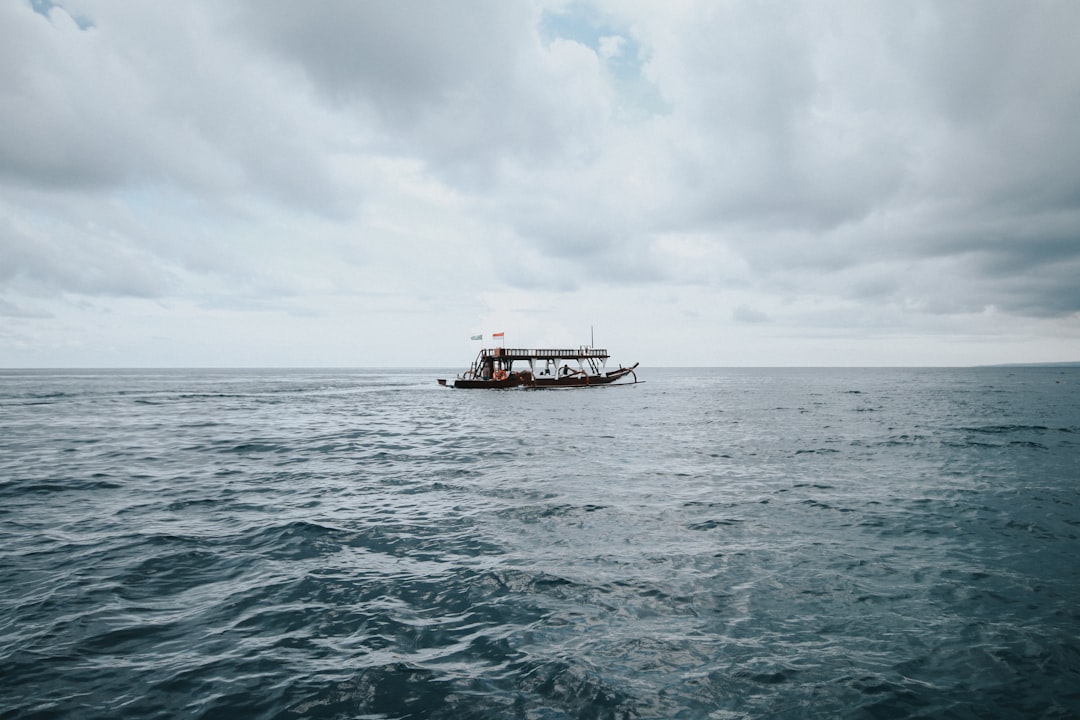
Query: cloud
881	133
11	310
886	163
88	261
466	88
611	46
141	96
746	314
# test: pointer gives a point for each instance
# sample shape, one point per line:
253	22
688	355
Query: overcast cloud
338	183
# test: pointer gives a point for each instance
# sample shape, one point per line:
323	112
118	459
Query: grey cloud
12	310
401	57
887	134
77	260
821	117
1023	264
465	87
55	132
140	98
1038	279
770	137
747	314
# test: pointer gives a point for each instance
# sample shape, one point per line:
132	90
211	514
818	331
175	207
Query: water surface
709	544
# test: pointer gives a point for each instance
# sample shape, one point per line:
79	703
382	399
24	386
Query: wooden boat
497	368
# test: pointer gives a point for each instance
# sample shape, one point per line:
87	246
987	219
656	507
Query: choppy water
709	544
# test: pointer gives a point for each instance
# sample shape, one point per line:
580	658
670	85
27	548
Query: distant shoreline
1043	364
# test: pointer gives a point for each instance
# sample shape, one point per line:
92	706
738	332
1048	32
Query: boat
499	368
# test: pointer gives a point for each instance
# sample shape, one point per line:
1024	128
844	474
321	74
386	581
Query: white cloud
612	46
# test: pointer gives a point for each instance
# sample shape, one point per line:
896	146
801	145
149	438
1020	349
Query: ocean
711	543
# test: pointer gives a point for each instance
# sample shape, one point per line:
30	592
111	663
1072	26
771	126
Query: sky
270	183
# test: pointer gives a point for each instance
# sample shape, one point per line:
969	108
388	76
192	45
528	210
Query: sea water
782	543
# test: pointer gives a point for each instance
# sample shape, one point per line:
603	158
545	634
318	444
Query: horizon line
1058	363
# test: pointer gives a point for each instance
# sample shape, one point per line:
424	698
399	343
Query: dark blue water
709	544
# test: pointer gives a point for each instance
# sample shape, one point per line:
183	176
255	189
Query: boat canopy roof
544	353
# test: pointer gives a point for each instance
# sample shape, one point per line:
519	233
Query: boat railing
547	352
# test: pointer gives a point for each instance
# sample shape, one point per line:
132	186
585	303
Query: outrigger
542	368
